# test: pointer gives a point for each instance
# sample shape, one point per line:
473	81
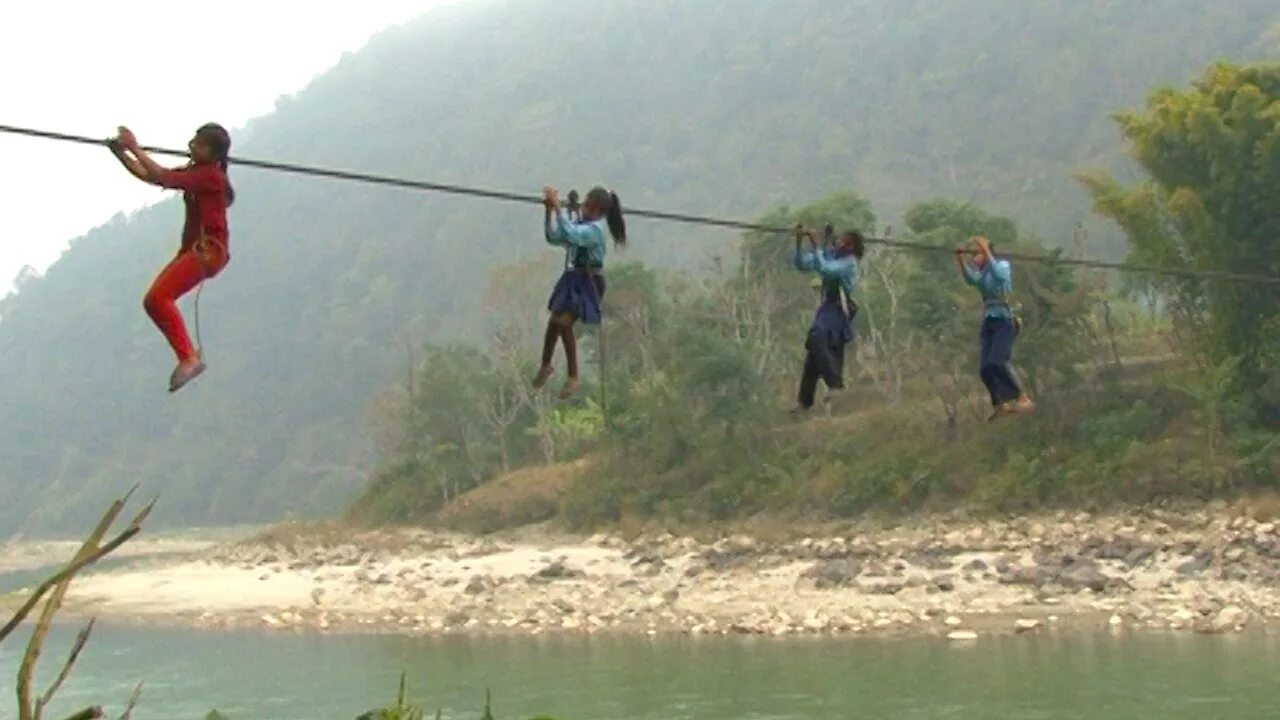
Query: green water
304	677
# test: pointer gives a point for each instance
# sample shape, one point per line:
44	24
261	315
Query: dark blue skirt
573	294
831	324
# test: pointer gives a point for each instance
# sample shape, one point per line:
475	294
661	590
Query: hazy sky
162	68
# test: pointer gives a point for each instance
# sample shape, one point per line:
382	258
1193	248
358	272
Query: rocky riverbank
1204	570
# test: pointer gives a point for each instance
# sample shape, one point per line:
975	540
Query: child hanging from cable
206	194
993	277
832	329
578	293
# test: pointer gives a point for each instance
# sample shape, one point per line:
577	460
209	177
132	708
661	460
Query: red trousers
187	270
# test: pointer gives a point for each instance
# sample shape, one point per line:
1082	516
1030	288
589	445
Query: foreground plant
53	591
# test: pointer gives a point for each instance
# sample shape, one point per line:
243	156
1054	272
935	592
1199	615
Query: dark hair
609	204
857	242
219	140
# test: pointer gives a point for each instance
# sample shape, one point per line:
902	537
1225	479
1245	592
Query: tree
1212	154
515	308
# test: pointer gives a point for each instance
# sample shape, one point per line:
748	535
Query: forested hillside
712	107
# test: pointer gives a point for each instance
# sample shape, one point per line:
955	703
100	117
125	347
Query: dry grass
1263	506
297	534
522	497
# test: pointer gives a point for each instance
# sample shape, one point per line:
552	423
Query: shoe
998	412
186	371
570	388
544	374
1023	405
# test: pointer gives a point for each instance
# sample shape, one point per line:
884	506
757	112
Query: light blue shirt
995	282
584	243
837	273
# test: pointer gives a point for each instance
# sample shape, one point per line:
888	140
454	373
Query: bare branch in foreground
53	591
81	639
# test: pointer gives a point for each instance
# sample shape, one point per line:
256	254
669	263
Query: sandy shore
1204	570
19	555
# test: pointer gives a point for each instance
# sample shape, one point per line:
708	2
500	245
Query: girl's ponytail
231	191
617	224
220	140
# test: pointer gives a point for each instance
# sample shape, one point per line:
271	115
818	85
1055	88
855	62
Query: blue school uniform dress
995	283
581	287
832	325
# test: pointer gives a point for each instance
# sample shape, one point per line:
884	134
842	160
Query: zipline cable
1225	275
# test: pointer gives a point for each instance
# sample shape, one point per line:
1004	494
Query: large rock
834	573
649	564
1023	625
1197	564
1034	576
1138	555
1116	549
834	549
944	583
883	587
557	570
1118	586
1083	574
931	560
1268	547
477	585
1228	619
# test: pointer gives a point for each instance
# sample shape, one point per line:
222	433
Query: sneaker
544	374
186	371
570	388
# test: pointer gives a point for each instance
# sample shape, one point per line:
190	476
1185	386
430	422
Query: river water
306	677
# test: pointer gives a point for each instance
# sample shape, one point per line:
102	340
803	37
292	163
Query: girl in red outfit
207	194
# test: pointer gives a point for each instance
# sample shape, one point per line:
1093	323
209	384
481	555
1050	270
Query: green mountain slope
717	106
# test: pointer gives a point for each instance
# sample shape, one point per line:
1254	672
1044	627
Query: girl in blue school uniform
577	295
832	327
993	278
